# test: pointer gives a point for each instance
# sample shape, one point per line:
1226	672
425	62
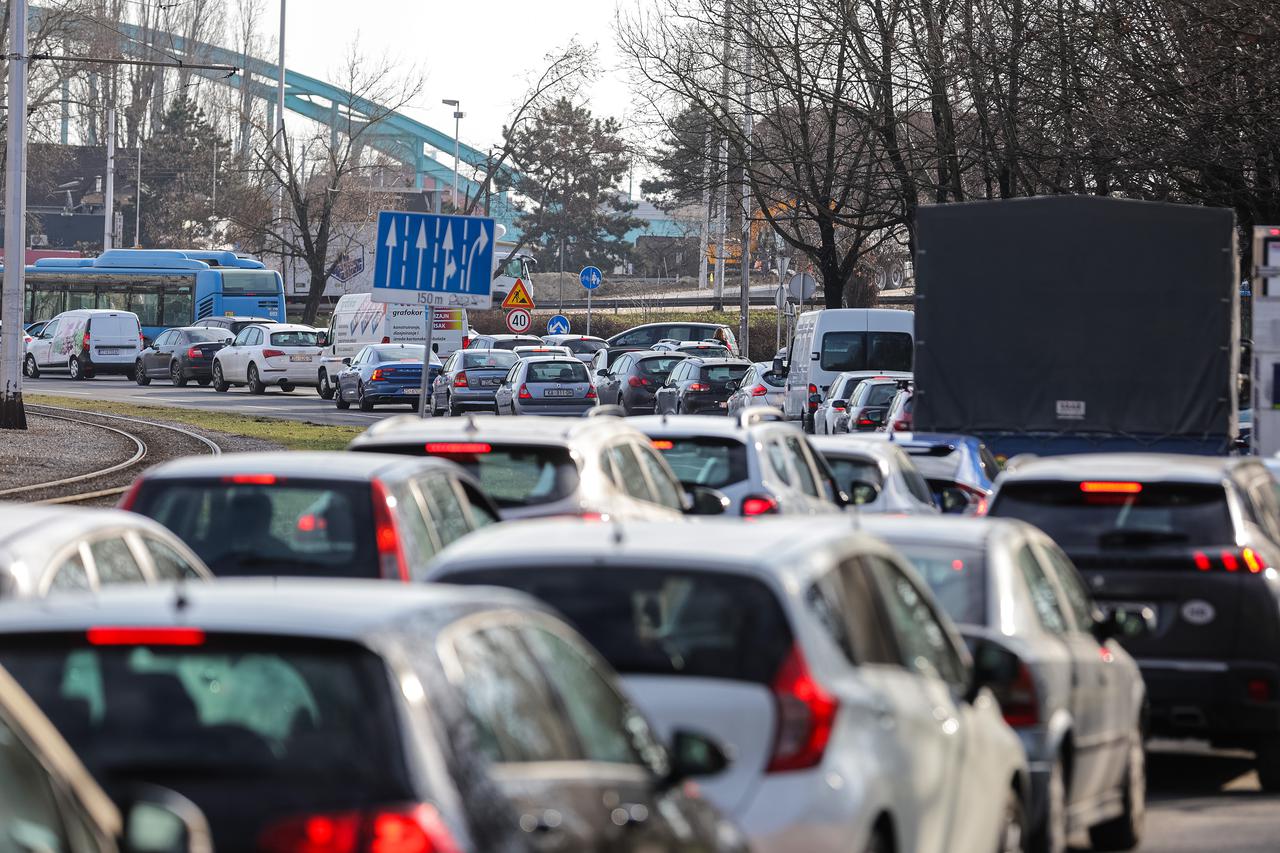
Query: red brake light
114	636
131	497
391	563
591	392
84	342
272	353
1259	690
1018	699
460	381
759	391
377	375
813	392
446	448
251	479
416	829
699	386
194	353
662	444
758	505
1253	561
639	381
1202	561
524	392
1229	561
806	714
466	341
1094	488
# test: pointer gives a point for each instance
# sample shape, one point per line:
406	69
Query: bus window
146	304
80	296
116	300
249	283
47	300
177	306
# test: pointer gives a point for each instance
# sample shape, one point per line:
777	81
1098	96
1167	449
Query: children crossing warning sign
518	297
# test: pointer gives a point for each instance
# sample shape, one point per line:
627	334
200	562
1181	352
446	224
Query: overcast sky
477	52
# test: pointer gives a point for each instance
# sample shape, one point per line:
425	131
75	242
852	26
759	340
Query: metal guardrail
729	302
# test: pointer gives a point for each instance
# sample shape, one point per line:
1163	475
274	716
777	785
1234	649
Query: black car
700	386
233	324
632	381
181	355
305	715
504	342
648	334
1190	544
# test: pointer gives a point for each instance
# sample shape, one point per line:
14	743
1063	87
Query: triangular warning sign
518	297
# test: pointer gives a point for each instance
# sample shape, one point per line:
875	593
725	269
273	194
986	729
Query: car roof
777	547
853	444
241	318
304	607
720	362
517	429
943	530
705	425
1147	467
507	337
288	327
304	465
60	523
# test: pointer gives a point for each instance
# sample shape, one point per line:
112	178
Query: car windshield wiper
1119	537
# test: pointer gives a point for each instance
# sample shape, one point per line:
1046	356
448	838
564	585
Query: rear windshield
313	714
724	372
196	336
584	347
713	462
849	471
286	527
409	352
557	371
658	622
491	358
866	351
957	576
658	368
301	339
512	474
773	378
512	343
1117	515
249	282
706	351
122	326
881	394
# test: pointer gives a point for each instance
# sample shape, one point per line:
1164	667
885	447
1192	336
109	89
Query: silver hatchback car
542	385
878	476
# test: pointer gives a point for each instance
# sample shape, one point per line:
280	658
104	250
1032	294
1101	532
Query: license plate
299	358
408	391
108	350
723	405
490	383
557	392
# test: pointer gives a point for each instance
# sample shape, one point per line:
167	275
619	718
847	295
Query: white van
358	321
85	343
829	342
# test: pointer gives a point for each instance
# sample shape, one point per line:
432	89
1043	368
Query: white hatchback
282	354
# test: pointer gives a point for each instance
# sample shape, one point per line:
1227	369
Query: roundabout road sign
558	325
519	321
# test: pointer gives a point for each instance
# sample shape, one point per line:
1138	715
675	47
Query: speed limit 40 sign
519	321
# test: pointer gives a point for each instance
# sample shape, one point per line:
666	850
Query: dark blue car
383	374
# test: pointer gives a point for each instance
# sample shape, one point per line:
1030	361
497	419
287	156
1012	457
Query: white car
283	354
877	475
539	350
85	343
815	653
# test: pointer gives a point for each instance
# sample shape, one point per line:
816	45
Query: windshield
207	335
724	372
513	475
849	471
1105	515
956	574
405	352
249	282
772	378
496	359
672	623
299	339
584	347
867	351
710	462
512	343
881	394
658	368
556	371
281	527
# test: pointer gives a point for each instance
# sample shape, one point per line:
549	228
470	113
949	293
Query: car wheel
1267	763
338	399
365	405
1013	826
29	368
74	368
324	389
219	384
455	412
1051	835
286	387
879	842
1124	832
202	382
256	385
139	375
176	375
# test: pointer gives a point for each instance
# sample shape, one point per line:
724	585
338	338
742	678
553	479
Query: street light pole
458	116
277	138
137	200
12	413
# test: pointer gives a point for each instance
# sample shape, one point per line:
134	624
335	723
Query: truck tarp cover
1076	314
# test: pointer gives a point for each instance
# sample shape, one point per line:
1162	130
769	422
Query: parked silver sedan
49	549
1075	697
542	385
878	476
761	385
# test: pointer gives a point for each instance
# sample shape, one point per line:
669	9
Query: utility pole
109	189
722	227
12	413
744	323
137	199
277	136
705	232
458	116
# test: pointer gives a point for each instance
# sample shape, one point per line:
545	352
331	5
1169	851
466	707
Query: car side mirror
1120	623
347	361
604	371
733	386
158	820
693	754
863	493
322	339
994	667
704	500
815	399
779	365
147	343
839	404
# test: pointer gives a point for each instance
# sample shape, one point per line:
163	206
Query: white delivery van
85	343
358	321
829	342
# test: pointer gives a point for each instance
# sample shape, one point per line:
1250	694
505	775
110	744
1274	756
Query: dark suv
700	386
1189	543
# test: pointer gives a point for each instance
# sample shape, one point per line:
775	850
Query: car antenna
180	600
471	423
618	537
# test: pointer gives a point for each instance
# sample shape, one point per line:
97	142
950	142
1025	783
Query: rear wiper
1120	537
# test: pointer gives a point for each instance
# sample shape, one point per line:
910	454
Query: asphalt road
302	404
1200	801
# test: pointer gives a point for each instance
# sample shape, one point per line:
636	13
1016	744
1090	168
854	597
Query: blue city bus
164	287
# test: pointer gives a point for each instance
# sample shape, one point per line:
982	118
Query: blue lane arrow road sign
433	259
590	277
558	325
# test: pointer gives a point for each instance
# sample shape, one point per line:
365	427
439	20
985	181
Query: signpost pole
426	365
588	313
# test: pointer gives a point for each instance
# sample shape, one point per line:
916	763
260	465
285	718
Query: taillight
759	391
412	829
460	381
84	342
1018	699
466	341
1231	561
759	505
901	425
591	392
639	381
699	386
251	479
806	714
272	353
378	375
447	448
391	563
131	496
866	422
149	636
524	392
194	353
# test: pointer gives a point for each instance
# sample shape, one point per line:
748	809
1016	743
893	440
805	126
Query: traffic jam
925	581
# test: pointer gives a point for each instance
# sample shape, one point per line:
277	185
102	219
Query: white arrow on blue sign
590	277
433	259
558	325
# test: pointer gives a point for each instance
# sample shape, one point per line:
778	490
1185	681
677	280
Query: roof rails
753	415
